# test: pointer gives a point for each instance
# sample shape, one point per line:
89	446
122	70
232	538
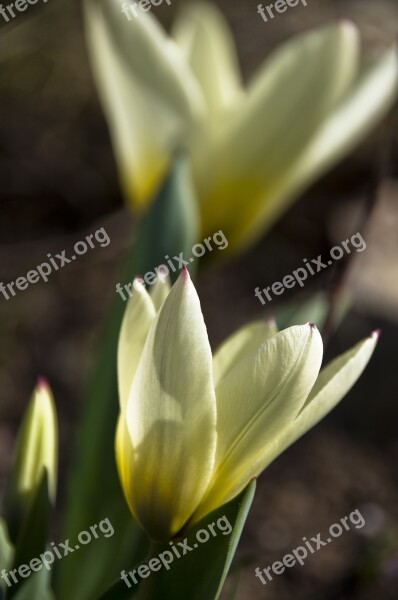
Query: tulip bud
36	453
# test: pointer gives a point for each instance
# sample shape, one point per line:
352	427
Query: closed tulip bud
36	454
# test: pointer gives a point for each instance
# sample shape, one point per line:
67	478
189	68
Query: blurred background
59	183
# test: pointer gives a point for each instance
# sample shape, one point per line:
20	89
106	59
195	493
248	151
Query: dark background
59	183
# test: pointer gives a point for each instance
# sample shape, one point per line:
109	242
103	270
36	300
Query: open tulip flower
195	429
253	150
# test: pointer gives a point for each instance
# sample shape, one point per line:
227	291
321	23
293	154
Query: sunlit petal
297	87
150	98
206	41
239	345
255	400
138	317
171	415
160	291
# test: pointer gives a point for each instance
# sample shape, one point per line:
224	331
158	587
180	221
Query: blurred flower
254	149
36	453
194	430
37	446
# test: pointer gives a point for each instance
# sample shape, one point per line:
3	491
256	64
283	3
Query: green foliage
167	228
201	573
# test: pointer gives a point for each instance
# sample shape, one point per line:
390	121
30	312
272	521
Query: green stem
147	589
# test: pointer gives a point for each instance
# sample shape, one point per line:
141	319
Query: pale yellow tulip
253	149
194	430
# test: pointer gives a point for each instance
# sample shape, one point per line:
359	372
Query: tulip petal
124	460
254	401
359	111
160	291
171	415
239	345
352	120
149	95
154	59
203	35
334	382
287	102
138	318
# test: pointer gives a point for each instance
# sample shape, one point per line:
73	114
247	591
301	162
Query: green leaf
33	535
313	309
168	228
199	574
327	312
6	548
36	587
6	554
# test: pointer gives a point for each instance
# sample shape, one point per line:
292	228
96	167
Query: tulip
36	455
37	443
194	430
252	149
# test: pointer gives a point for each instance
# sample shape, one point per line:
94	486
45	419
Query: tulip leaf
36	587
168	228
202	571
318	309
6	553
33	535
313	309
6	548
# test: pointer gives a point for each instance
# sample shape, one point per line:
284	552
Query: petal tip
138	283
42	382
345	23
376	334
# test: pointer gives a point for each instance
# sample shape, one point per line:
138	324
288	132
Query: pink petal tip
42	382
